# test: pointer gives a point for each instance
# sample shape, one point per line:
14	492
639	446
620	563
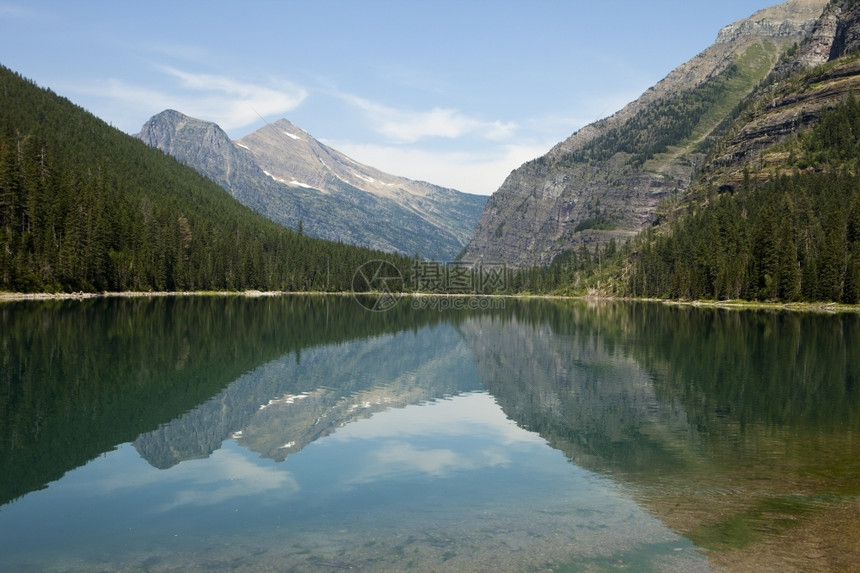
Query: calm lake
310	434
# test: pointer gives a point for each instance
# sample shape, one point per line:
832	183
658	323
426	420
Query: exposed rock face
816	49
208	149
593	187
847	37
285	174
291	156
795	99
772	21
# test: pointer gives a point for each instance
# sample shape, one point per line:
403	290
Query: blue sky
458	93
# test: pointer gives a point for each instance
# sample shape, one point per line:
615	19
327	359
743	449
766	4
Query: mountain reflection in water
734	429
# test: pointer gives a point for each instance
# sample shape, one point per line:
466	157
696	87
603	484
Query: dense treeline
84	207
571	272
796	238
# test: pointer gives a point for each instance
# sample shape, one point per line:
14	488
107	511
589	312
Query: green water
309	434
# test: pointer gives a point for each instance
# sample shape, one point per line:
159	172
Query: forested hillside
607	180
786	233
772	214
85	207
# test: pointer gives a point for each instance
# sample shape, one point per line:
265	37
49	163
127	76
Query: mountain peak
606	180
289	129
178	135
284	173
782	20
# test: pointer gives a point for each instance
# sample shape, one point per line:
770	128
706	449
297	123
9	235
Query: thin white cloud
232	103
465	166
224	100
134	96
409	126
230	475
480	172
493	439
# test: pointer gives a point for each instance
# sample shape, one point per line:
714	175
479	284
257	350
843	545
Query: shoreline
823	307
737	304
40	296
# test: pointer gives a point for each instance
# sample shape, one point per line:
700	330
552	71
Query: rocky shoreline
825	307
17	296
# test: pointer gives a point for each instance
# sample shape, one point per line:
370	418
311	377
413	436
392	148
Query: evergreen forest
794	238
85	207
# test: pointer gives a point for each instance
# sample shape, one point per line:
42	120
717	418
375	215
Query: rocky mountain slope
775	212
607	180
285	174
804	86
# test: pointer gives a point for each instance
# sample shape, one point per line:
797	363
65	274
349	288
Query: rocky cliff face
291	156
607	180
208	149
285	174
801	89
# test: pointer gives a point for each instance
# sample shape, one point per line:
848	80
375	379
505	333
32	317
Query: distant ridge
85	207
288	176
607	180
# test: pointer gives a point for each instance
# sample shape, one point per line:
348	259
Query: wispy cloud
409	126
479	172
229	102
230	475
235	103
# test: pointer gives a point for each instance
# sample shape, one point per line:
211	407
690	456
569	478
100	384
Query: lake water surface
310	434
